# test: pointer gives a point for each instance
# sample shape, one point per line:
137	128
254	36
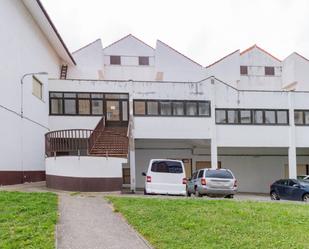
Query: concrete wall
25	49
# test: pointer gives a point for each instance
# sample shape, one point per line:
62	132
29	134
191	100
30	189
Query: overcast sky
204	30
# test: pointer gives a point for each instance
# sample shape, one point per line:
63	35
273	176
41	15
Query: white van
165	176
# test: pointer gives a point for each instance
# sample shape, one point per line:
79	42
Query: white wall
24	49
74	166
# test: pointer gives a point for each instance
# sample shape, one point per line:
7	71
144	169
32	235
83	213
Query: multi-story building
108	110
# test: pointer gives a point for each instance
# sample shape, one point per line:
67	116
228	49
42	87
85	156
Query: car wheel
306	198
188	193
229	196
274	196
197	194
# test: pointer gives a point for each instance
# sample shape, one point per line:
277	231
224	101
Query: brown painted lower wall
84	184
18	177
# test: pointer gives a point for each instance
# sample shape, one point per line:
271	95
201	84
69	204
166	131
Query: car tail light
203	181
148	178
235	183
184	180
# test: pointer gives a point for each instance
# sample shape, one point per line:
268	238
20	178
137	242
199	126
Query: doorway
117	112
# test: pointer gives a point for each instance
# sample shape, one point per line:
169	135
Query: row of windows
268	71
82	103
171	108
116	60
252	116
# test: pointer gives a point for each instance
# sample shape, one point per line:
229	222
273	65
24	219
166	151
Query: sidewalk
88	221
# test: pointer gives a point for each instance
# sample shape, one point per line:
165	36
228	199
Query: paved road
89	222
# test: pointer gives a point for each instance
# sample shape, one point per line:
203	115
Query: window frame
303	111
172	109
141	60
268	69
111	57
104	98
245	68
252	116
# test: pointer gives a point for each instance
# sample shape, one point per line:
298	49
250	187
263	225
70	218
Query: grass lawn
27	220
200	223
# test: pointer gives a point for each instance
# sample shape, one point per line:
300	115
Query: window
270	71
167	167
166	108
220	117
219	174
70	106
282	117
97	107
178	109
258	117
139	108
143	60
174	108
194	175
84	106
191	109
204	109
56	106
270	117
232	116
306	114
37	88
152	108
245	116
244	70
115	60
253	116
200	173
299	117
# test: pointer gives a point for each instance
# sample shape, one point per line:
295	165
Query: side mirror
143	174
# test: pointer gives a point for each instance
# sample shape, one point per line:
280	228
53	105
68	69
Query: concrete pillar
292	146
213	142
132	147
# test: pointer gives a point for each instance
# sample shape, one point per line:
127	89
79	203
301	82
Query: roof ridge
180	53
261	49
89	44
302	56
210	65
127	37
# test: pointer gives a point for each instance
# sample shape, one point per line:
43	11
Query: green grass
27	220
200	223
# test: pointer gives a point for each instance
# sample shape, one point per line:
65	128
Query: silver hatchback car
212	182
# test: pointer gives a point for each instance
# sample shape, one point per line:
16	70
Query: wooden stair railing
96	133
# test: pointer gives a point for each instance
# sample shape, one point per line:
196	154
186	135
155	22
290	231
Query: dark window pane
270	117
84	106
243	70
139	108
219	174
69	106
178	109
269	71
143	60
220	117
258	117
245	116
97	95
200	173
125	114
115	60
232	116
152	108
282	117
166	108
203	109
166	167
191	108
69	95
116	96
56	106
298	116
306	113
97	107
56	95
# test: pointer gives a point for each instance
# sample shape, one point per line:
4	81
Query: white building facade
248	112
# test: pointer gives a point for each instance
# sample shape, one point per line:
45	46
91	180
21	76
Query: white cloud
205	30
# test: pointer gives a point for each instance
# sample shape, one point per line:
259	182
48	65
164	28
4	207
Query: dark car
290	189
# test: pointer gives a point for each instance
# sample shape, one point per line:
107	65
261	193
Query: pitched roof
129	35
180	53
87	45
221	59
301	56
261	49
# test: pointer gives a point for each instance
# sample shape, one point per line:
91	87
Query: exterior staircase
63	72
109	141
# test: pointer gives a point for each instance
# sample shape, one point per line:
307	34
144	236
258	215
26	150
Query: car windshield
166	167
219	174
